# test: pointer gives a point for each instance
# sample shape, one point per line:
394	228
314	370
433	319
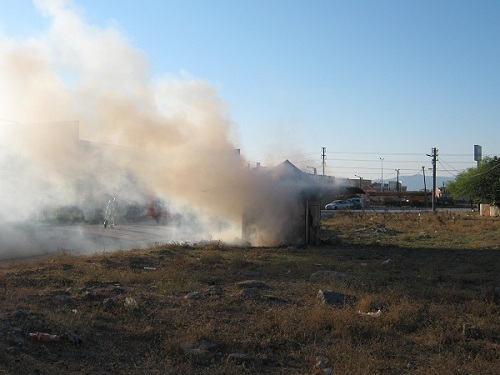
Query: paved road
26	240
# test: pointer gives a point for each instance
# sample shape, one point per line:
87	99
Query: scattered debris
42	336
372	314
130	302
323	366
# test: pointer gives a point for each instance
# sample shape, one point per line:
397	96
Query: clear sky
367	80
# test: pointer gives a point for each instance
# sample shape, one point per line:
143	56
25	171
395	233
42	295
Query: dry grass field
422	297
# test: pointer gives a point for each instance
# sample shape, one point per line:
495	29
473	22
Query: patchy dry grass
178	308
413	229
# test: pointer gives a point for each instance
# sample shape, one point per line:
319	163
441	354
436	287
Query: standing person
110	214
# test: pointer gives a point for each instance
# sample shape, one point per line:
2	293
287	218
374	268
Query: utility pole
397	180
434	159
382	179
323	156
434	184
425	186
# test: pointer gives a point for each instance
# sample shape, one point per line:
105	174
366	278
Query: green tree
482	184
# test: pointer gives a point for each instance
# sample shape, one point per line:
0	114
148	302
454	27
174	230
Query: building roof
287	170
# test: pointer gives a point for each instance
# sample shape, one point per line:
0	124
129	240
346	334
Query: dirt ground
209	308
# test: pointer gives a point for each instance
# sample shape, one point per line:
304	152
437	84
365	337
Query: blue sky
365	79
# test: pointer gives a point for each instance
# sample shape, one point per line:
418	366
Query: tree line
481	184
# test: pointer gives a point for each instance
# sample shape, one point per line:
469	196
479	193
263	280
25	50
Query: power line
454	170
485	172
377	154
372	153
390	161
298	158
423	160
392	153
370	168
350	165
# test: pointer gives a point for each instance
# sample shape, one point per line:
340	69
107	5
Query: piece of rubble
109	303
323	366
338	299
252	284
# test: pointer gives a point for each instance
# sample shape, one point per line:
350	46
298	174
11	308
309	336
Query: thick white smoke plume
81	118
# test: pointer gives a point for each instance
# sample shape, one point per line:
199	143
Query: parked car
339	205
356	202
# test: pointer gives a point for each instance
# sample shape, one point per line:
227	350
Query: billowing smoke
82	120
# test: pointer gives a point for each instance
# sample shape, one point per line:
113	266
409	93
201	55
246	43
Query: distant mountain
416	182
